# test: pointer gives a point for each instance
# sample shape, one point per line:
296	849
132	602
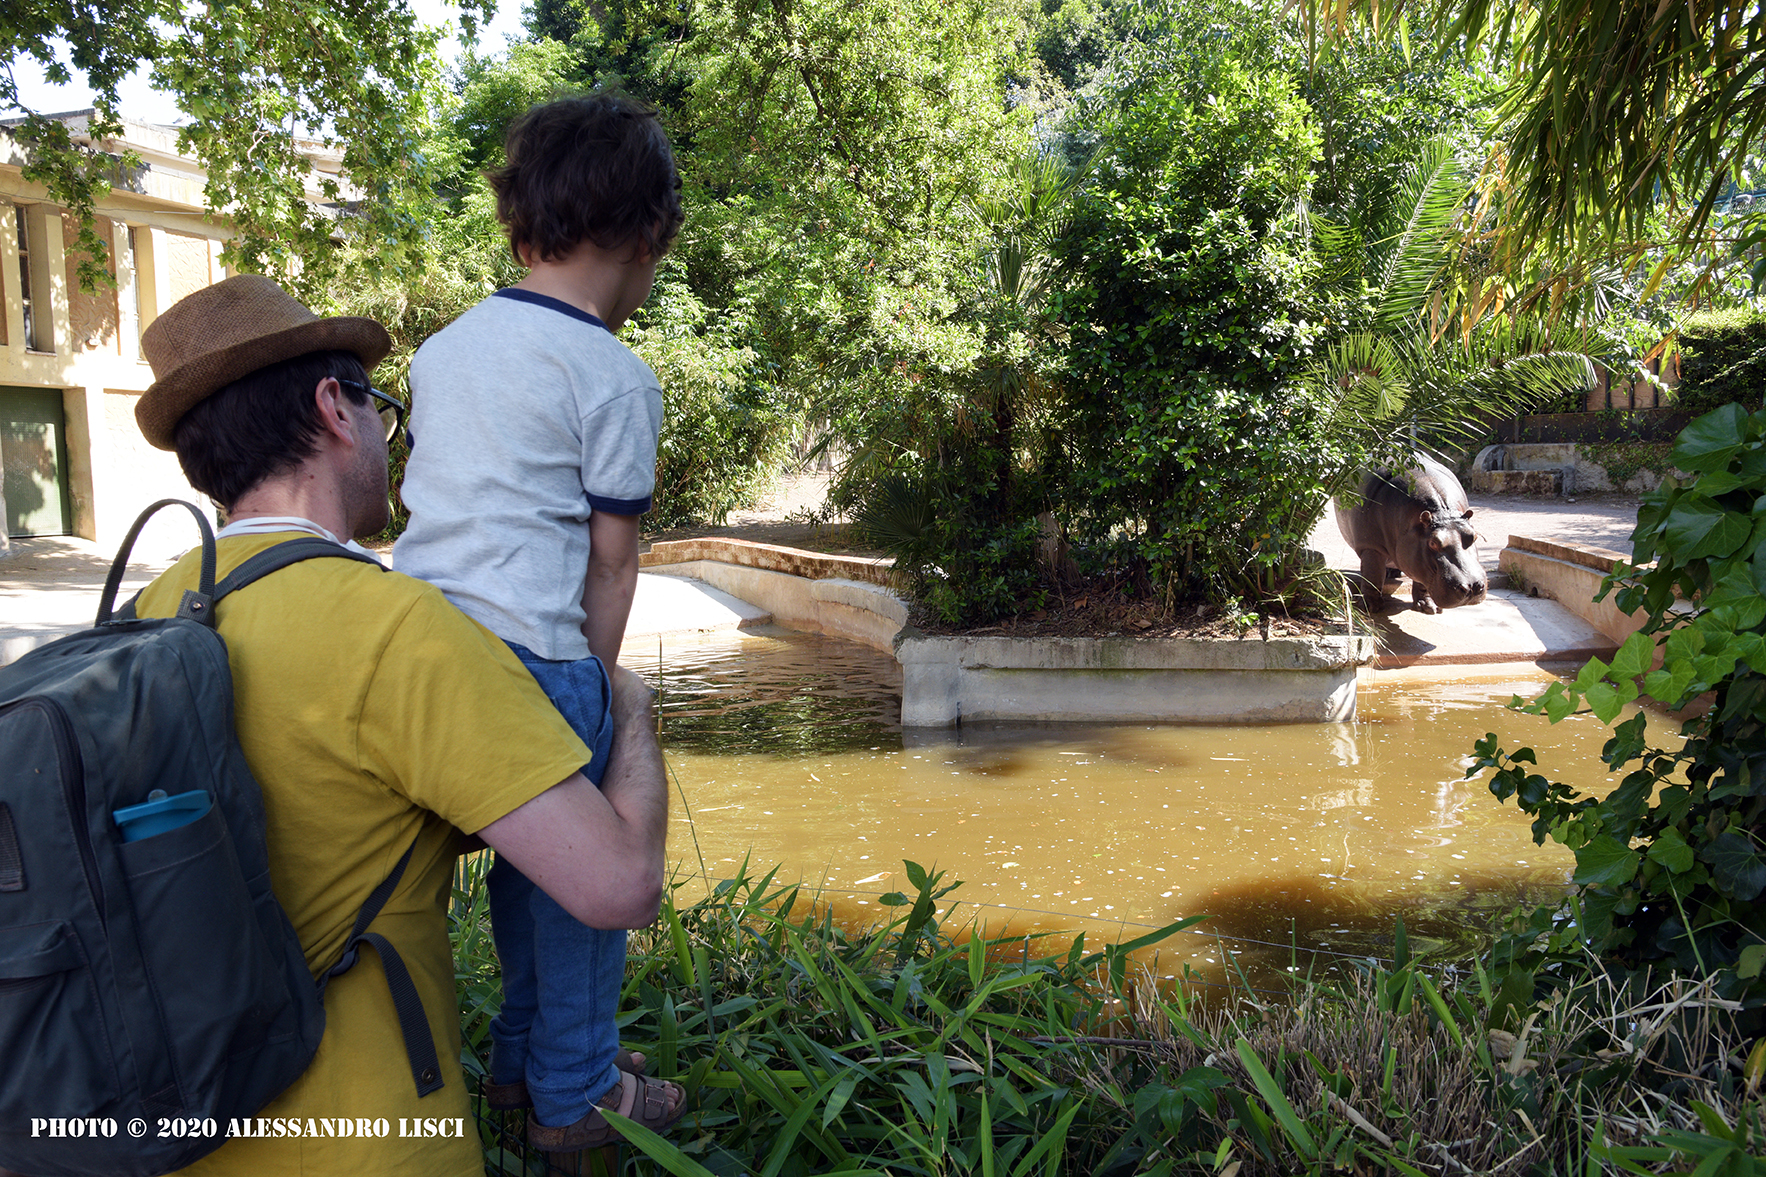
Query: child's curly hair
597	168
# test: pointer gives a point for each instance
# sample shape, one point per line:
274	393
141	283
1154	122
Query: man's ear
334	415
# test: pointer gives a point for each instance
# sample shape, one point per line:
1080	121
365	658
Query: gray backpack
151	987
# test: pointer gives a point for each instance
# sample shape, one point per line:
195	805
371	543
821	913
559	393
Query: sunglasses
392	410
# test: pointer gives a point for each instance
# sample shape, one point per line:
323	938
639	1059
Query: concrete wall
865	613
842	596
947	680
951	680
1571	575
1546	468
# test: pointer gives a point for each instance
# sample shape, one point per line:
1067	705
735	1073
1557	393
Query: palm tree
1430	356
1016	277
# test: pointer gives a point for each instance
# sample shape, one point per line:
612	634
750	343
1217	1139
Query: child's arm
611	582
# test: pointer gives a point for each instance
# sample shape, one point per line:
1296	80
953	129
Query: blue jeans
561	978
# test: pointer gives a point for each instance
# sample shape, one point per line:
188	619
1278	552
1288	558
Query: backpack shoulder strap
265	562
281	556
413	1025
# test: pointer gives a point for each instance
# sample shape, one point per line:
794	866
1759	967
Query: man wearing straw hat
375	716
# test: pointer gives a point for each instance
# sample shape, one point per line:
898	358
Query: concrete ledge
1602	560
769	558
858	611
1523	482
672	606
948	680
1571	575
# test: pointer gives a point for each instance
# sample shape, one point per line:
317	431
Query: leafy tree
832	154
489	94
1376	103
1189	445
358	77
1671	865
1075	37
954	495
726	428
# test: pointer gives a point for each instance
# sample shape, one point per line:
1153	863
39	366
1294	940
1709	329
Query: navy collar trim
546	300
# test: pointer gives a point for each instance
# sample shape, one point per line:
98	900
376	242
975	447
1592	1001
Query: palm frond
896	515
1459	412
1366	375
1409	256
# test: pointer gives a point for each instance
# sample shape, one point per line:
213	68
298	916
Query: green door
33	452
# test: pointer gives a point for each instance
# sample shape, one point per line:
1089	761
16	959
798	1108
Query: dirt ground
792	516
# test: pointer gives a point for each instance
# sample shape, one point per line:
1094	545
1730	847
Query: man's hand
599	852
634	703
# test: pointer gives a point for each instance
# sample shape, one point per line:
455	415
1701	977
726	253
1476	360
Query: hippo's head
1449	565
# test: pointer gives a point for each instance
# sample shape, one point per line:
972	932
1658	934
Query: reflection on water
1309	836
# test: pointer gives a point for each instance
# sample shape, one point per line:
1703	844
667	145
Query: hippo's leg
1373	579
1421	598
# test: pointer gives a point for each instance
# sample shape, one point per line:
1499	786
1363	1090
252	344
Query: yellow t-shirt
373	713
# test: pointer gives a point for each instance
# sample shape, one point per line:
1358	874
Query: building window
24	279
131	306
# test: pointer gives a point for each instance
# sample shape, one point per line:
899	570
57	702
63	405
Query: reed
921	1046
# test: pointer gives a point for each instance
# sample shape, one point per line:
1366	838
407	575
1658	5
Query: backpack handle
197	605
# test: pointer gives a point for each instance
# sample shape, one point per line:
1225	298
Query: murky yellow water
786	750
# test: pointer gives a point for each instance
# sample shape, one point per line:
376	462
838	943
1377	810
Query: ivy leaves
1672	863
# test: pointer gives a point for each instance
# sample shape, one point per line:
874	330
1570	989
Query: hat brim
164	404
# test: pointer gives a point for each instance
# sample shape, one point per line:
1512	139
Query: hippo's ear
1468	514
1425	519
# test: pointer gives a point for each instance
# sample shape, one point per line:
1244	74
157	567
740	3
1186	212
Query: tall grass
919	1047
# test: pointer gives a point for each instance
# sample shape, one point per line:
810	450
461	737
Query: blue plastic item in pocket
160	813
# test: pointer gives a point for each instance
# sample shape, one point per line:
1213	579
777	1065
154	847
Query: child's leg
575	1035
512	931
578	971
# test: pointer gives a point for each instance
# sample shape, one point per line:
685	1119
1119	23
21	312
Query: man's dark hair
259	425
596	168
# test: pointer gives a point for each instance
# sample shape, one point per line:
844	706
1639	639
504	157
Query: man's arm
611	582
599	852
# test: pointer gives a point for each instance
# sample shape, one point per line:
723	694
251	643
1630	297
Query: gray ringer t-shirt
526	415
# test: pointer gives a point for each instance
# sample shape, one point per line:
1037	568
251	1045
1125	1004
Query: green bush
1190	447
726	428
1722	360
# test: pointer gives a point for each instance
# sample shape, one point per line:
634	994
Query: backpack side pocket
49	1023
223	989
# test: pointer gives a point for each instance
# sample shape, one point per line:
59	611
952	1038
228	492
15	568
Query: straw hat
211	338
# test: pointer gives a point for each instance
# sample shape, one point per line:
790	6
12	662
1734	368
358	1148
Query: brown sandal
649	1107
509	1097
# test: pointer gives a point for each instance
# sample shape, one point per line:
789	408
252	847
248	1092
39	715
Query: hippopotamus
1417	521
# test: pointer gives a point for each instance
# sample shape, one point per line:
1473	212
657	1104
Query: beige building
70	362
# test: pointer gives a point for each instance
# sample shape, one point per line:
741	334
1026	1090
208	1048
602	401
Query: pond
1301	842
